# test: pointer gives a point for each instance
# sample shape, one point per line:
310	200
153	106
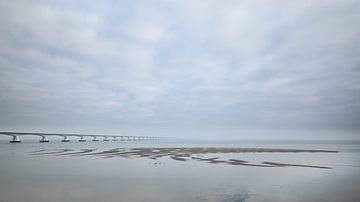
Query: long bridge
82	137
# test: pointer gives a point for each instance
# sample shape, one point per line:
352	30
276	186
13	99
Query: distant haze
198	69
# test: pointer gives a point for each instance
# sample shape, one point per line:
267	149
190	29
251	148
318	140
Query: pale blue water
43	178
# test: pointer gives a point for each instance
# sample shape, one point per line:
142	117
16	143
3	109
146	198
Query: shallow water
25	177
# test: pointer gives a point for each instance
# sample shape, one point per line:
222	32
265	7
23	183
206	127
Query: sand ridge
184	154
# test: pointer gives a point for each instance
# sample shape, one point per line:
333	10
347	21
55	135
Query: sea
40	172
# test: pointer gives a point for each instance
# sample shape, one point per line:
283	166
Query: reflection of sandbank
187	153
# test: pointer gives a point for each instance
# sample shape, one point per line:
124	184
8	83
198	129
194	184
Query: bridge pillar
115	139
106	138
94	138
66	139
82	139
44	139
15	139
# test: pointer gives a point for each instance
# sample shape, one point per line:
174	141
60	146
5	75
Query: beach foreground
180	171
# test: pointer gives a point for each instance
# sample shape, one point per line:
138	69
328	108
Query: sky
190	69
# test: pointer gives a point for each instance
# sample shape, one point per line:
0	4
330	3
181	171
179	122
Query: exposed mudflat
184	154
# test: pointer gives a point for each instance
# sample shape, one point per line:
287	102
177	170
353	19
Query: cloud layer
241	69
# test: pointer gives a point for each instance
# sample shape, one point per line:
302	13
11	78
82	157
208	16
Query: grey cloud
194	69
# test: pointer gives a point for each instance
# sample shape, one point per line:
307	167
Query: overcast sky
203	69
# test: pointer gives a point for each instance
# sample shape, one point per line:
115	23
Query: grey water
25	177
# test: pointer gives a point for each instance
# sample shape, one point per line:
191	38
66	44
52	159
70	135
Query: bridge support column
115	139
66	139
15	139
106	138
94	138
82	139
44	139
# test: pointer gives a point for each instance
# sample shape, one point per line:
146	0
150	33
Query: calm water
42	178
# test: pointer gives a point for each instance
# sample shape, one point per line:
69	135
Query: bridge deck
16	136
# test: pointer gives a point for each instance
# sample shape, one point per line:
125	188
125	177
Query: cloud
193	69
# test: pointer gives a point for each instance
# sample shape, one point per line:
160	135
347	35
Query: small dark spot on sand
241	196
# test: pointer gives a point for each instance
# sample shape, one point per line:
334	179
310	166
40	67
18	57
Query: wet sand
184	154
